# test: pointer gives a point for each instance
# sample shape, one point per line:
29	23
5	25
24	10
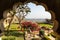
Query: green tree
22	10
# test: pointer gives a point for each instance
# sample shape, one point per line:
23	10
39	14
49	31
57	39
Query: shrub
8	38
29	25
14	33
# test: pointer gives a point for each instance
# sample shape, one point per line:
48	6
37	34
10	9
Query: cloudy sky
37	12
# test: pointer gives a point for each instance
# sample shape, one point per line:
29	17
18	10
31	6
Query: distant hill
15	20
37	20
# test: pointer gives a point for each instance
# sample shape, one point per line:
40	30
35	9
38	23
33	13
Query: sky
37	12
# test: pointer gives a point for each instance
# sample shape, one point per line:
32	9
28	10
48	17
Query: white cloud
38	12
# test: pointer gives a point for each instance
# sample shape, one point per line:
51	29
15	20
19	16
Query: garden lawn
12	37
46	25
15	26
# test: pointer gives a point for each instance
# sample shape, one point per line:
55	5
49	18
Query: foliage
21	10
29	25
8	38
12	37
14	33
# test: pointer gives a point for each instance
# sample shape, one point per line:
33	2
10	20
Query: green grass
46	25
15	26
19	38
11	37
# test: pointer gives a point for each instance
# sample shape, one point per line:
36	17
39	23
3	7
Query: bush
8	38
14	33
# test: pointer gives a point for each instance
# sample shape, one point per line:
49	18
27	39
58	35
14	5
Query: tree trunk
10	23
24	36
